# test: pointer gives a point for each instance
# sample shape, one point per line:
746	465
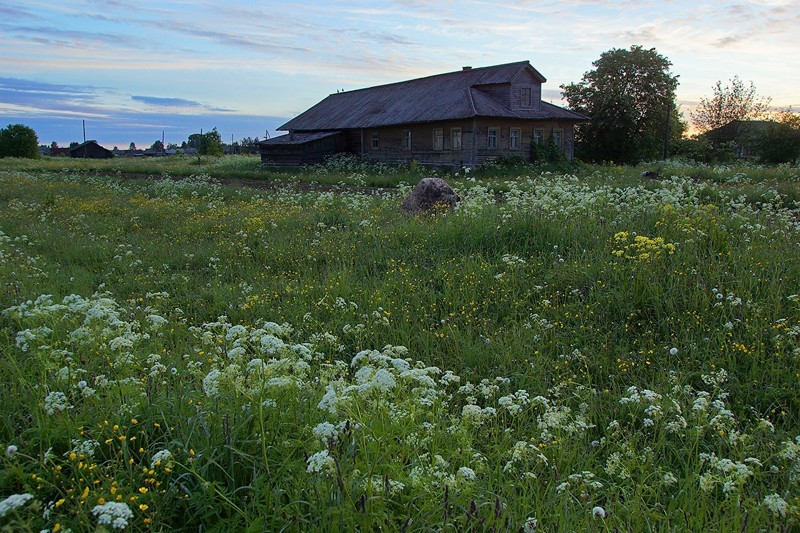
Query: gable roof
450	96
89	144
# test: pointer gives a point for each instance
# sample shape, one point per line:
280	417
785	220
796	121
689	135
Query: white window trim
408	140
375	141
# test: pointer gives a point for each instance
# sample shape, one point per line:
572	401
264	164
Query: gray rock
429	193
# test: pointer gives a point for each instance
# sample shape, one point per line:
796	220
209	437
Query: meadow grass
583	351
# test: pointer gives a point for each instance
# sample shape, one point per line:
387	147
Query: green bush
18	140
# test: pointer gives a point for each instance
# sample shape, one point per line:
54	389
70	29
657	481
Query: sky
134	71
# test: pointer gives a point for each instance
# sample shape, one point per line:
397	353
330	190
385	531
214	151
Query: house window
455	138
407	140
491	138
438	139
376	140
513	139
538	135
525	97
557	136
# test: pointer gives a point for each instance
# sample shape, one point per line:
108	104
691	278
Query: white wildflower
466	473
776	504
15	501
11	450
325	431
55	401
162	456
598	511
530	525
319	462
115	514
211	383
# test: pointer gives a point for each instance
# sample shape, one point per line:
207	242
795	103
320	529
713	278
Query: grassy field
576	350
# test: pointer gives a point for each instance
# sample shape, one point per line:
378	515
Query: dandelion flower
598	511
11	450
673	351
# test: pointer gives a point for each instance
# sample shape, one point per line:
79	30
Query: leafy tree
249	145
780	141
18	140
629	96
53	145
210	143
157	146
194	141
731	108
547	152
73	144
132	146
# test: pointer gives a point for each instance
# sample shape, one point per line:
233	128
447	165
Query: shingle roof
450	96
298	138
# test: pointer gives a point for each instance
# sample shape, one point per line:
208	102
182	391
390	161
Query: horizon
169	67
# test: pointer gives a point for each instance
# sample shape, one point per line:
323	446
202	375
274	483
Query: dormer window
525	97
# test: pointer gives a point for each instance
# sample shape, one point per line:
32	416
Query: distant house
468	117
742	133
90	150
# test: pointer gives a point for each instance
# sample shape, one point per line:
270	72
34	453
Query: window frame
526	97
538	136
438	139
558	137
407	139
375	141
493	141
456	133
512	145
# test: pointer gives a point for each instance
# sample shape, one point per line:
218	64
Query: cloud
34	93
178	102
77	39
166	102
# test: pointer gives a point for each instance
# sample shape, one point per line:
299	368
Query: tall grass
562	351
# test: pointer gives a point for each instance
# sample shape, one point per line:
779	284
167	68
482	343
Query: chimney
466	68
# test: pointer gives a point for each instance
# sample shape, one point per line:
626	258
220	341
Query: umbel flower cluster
379	423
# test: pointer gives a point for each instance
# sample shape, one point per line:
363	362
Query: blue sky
135	69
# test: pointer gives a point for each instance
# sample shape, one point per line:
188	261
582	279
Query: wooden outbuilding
90	150
462	118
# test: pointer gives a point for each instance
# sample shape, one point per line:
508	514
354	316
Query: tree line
630	97
19	140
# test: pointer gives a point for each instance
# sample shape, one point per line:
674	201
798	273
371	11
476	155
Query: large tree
727	113
18	140
210	143
630	97
779	142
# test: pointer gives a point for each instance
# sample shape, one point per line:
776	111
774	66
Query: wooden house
462	118
90	150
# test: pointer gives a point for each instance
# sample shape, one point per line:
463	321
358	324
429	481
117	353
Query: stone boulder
429	193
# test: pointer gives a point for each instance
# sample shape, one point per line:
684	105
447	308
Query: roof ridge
453	73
